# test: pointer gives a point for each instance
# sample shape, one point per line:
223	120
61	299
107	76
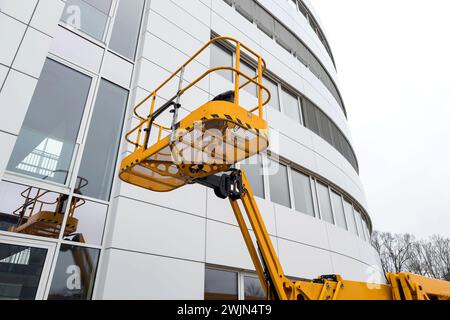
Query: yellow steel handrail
257	80
239	45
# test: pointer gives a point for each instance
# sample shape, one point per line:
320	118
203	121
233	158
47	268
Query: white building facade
71	72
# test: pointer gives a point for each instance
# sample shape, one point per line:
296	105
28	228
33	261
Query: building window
338	210
274	95
324	203
20	271
221	57
255	175
88	222
359	224
89	16
350	217
127	25
221	285
279	184
250	72
301	185
102	143
232	285
253	289
246	8
290	106
324	126
74	273
25	210
46	142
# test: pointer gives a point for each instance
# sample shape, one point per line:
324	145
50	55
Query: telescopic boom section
267	265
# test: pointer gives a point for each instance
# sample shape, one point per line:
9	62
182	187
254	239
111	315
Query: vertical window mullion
290	186
314	197
332	206
111	20
345	215
300	110
280	95
317	202
264	171
241	286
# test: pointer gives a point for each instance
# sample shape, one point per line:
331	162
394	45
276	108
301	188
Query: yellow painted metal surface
209	140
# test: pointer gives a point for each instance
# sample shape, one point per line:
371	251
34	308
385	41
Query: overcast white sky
393	60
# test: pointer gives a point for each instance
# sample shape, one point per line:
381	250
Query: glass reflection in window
221	285
31	210
102	143
47	139
253	289
20	271
89	16
74	273
325	204
221	57
279	185
88	221
254	172
125	34
302	193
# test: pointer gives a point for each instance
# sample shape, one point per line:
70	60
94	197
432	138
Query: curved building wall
206	231
147	245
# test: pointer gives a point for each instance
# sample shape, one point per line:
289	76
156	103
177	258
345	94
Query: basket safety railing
147	124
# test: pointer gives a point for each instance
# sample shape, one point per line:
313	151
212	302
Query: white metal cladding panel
176	199
34	42
303	261
15	98
76	49
20	10
143	227
225	246
3	72
138	276
7	142
220	210
170	28
299	227
11	33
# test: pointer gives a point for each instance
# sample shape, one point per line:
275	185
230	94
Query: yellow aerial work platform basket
209	140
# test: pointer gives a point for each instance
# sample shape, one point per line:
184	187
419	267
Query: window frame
106	32
289	182
334	210
285	90
292	170
84	125
111	29
223	269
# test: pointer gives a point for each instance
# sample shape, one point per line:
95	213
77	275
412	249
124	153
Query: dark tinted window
221	285
74	274
20	271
